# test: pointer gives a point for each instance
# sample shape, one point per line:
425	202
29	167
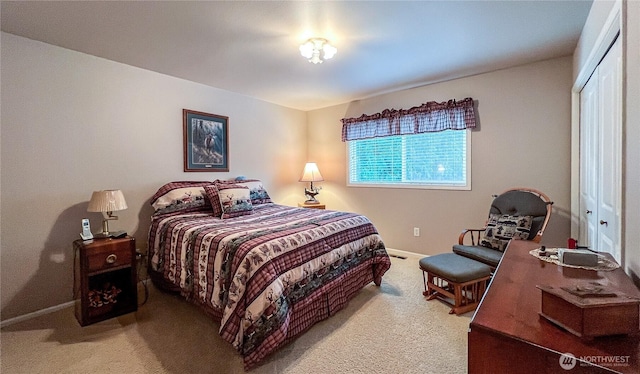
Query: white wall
523	141
598	14
73	123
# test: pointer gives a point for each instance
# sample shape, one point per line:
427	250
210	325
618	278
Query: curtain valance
428	117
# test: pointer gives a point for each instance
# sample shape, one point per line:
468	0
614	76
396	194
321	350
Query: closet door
601	156
610	151
589	162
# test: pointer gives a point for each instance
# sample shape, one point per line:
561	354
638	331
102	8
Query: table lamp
107	202
311	174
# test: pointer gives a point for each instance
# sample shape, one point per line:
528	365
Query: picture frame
206	141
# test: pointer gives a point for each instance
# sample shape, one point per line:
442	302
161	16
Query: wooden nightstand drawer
109	257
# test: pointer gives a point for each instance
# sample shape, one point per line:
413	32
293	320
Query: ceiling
251	47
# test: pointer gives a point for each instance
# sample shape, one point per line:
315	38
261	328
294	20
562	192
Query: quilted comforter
267	276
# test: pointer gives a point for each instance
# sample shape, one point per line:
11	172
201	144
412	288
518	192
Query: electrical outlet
416	231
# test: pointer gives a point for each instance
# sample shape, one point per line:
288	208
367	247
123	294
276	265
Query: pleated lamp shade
107	201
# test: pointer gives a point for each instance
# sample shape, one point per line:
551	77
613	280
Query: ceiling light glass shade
306	50
317	50
329	51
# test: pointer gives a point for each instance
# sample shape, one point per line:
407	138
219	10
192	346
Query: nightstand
104	279
311	206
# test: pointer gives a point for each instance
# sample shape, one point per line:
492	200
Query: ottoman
456	280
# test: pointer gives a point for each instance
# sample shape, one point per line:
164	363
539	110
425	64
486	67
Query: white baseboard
44	311
402	253
35	314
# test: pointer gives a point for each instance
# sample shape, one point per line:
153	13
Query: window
439	160
427	146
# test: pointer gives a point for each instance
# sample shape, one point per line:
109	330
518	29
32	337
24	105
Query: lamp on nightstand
311	174
107	202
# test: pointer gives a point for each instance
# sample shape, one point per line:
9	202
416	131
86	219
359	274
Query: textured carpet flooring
387	329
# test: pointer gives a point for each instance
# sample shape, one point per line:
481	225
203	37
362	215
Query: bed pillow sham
184	196
235	200
258	193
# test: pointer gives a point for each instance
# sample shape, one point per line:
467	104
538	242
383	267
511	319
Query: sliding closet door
601	156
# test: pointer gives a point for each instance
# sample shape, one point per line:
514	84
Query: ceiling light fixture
317	50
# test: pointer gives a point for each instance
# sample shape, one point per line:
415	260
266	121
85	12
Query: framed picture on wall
206	141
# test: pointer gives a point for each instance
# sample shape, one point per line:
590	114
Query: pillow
502	228
184	196
235	200
258	194
213	196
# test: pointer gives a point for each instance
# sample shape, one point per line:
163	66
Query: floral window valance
428	117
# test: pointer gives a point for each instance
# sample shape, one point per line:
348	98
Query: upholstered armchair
516	214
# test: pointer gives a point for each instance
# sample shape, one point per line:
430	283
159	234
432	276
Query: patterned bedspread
253	272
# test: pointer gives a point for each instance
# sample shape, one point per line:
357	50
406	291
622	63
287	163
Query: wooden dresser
508	335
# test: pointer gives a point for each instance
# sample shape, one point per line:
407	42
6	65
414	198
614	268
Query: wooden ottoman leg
432	292
424	280
457	300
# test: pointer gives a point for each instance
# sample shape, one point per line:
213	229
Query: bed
266	272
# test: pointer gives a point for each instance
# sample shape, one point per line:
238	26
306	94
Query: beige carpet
387	329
